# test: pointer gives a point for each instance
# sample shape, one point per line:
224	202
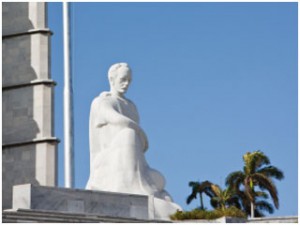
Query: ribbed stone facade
29	148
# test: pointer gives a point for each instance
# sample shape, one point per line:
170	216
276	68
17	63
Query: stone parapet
42	216
54	199
283	219
279	219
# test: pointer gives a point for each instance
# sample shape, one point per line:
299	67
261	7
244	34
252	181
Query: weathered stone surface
42	216
22	216
24	59
29	196
32	163
279	219
29	148
286	219
27	114
21	17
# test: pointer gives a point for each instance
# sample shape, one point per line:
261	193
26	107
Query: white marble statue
118	145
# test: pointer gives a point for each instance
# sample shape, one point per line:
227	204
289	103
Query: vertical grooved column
29	150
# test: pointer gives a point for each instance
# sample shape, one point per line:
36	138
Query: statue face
121	81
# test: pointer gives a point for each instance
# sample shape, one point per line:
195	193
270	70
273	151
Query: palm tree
199	188
257	172
260	203
224	198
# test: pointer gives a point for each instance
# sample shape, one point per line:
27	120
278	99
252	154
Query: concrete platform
42	216
67	200
279	219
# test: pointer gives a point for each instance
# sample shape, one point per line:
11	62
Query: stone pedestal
100	203
42	216
56	199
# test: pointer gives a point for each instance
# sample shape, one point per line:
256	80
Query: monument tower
29	148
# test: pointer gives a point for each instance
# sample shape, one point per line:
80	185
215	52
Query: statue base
161	209
100	203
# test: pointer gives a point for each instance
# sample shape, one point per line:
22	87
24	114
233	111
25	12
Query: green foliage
256	174
208	214
198	188
223	198
245	193
219	198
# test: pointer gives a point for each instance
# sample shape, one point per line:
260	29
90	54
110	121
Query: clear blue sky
211	81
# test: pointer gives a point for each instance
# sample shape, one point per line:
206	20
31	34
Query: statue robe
117	149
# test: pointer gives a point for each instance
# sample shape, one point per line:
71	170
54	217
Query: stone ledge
48	82
43	216
107	204
219	220
46	31
280	219
34	141
283	219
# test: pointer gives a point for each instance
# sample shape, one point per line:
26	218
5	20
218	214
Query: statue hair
113	70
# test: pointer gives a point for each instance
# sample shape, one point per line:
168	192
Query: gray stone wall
29	148
54	199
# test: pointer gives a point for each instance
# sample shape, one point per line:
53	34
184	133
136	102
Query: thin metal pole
68	102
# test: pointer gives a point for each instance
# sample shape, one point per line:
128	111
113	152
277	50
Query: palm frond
216	189
254	160
199	188
193	184
261	194
271	171
235	179
258	213
206	188
260	158
234	201
215	203
266	183
190	198
195	187
264	206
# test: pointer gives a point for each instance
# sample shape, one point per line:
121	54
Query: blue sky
211	81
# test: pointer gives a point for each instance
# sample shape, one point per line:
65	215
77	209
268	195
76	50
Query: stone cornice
34	141
29	32
32	83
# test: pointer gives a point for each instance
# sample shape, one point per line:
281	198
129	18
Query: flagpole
68	103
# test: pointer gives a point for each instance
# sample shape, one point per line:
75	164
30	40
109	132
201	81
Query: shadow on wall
18	124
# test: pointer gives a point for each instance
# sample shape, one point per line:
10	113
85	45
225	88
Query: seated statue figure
118	145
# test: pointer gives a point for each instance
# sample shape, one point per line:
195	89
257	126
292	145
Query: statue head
119	76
